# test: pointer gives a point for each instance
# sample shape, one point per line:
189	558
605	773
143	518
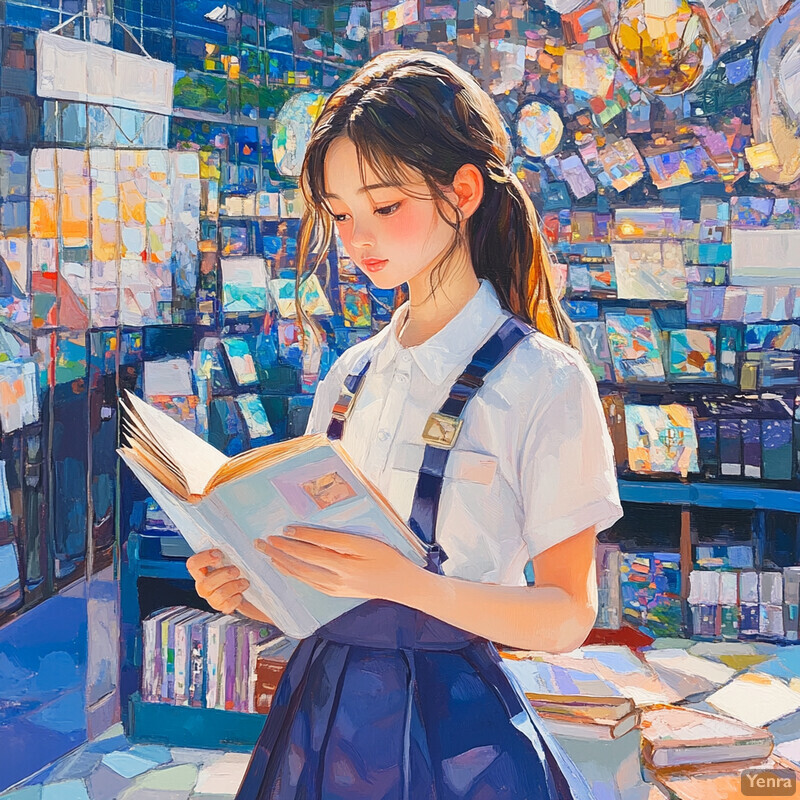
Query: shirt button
383	435
405	358
400	377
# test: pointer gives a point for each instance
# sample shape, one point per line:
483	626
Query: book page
197	460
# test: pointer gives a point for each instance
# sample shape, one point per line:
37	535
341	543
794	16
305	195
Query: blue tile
156	753
126	764
65	790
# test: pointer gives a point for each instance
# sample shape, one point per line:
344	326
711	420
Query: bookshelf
181	726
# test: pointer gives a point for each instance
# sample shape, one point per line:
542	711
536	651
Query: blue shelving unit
183	726
710	495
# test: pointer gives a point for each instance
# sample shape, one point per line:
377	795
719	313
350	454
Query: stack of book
745	603
574	702
205	660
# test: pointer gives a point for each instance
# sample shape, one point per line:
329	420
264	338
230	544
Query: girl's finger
232	604
219	577
339	541
199	564
221	596
302	569
315	554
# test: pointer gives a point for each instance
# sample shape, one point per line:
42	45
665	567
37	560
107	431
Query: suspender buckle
441	430
344	405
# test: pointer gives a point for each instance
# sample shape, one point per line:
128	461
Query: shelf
184	726
710	495
171	568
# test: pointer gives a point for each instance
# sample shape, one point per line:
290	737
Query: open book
227	503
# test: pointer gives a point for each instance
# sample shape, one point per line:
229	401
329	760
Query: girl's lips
373	265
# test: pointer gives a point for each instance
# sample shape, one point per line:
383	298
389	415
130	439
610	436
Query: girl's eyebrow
365	189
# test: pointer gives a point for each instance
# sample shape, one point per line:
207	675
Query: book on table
226	503
673	737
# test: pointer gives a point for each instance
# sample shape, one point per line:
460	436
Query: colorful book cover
661	438
241	360
594	345
244	284
356	307
730	344
313	298
255	416
693	354
650	588
633	341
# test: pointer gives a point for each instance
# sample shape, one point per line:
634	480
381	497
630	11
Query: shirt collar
439	355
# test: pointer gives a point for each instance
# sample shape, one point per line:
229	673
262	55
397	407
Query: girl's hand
219	585
341	564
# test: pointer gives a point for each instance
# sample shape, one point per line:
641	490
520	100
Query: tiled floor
111	768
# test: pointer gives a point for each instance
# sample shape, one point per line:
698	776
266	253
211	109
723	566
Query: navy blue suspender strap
441	429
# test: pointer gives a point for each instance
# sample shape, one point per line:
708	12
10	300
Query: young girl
480	423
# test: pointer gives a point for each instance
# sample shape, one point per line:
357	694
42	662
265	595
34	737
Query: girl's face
391	236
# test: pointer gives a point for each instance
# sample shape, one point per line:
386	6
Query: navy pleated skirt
388	703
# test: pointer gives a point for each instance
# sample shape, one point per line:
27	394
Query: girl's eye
387	210
339	217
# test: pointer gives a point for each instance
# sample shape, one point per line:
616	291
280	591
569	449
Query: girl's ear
468	188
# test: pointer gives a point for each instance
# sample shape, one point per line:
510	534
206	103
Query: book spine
148	658
230	667
730	447
729	603
751	447
791	603
181	661
748	602
242	663
164	658
197	670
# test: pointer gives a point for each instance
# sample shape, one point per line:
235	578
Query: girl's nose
362	236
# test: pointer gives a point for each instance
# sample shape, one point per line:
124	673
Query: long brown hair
415	109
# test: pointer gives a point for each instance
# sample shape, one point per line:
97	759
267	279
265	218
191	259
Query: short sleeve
567	473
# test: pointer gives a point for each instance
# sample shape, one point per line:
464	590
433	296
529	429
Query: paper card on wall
268	204
751	212
621	163
168	377
705	303
355	306
661	438
650	270
647	223
765	257
282	292
244	284
633	340
313	299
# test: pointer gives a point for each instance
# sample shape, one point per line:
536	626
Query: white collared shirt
532	465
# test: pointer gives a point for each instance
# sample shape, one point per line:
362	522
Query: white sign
68	69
